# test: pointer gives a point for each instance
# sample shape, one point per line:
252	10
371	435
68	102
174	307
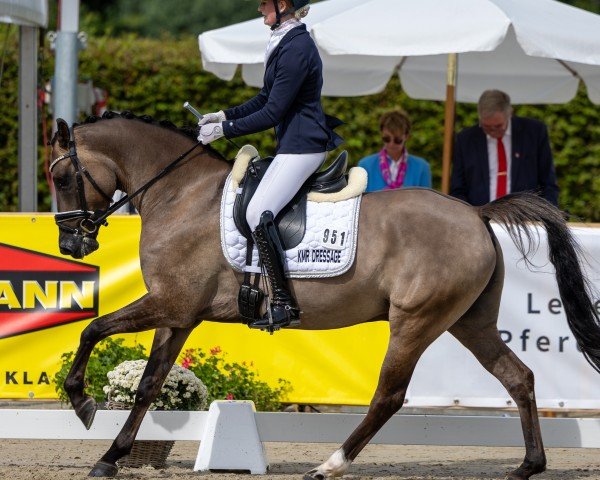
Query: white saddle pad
327	249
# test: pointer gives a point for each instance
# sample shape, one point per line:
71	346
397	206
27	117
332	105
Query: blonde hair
395	121
302	12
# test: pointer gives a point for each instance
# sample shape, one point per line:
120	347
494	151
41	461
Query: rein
91	221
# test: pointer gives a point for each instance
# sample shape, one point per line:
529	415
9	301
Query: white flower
181	384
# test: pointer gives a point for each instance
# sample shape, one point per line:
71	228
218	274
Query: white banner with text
533	324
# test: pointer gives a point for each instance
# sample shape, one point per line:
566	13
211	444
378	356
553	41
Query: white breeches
281	183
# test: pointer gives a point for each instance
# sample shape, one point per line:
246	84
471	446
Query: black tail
515	213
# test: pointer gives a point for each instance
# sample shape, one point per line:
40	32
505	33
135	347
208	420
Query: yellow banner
46	299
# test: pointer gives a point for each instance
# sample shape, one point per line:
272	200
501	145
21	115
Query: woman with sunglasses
289	102
392	167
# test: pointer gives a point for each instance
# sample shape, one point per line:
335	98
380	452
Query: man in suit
502	154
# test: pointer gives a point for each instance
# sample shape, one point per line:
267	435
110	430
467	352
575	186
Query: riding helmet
298	4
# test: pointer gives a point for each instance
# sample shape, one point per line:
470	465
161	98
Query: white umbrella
536	50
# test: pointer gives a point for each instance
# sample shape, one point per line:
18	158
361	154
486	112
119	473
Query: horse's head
84	183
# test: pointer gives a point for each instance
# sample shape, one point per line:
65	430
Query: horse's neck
139	163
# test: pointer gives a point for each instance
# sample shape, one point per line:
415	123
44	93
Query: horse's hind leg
165	348
477	331
142	314
408	340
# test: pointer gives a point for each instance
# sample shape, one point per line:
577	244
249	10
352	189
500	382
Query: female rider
290	101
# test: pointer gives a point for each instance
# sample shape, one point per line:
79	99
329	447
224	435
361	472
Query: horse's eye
61	183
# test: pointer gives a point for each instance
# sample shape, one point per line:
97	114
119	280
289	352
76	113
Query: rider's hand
216	117
210	133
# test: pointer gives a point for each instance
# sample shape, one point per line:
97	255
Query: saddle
291	221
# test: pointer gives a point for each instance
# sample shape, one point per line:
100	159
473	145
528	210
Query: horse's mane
187	131
190	132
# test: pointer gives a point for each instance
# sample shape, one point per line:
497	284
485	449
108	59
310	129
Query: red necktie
502	172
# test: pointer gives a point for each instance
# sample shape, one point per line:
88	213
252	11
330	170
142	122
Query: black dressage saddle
291	221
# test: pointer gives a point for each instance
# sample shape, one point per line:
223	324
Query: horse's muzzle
77	246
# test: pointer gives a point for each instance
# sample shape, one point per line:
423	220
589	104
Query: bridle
88	224
90	220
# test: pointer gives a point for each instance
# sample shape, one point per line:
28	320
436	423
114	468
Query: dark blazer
532	167
290	100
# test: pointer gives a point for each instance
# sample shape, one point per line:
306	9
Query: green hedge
155	77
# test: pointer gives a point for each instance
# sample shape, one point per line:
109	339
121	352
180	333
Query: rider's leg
284	309
280	184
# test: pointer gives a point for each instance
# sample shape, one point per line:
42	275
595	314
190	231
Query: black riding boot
284	311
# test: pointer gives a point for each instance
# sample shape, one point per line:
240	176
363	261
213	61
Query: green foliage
234	381
590	5
223	380
106	356
155	77
180	17
190	17
159	17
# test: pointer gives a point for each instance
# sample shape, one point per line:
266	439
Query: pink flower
229	396
186	362
215	350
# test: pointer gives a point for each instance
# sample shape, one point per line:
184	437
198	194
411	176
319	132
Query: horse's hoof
313	475
523	473
87	412
103	469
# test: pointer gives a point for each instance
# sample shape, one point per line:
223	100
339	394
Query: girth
291	221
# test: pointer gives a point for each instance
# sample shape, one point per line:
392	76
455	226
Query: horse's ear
63	133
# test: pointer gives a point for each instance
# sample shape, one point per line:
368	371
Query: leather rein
92	220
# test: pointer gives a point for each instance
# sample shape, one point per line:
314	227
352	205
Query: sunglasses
397	140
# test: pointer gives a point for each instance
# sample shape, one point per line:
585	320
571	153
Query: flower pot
144	452
147	452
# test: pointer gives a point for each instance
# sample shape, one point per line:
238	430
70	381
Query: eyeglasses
397	140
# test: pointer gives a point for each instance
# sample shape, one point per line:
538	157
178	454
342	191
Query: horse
425	262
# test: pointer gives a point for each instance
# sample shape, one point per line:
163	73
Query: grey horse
425	262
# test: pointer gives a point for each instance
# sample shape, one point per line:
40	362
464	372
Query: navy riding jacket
290	100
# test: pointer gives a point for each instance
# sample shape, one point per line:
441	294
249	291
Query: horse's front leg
143	314
165	348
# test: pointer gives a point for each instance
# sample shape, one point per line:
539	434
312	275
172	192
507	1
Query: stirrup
291	318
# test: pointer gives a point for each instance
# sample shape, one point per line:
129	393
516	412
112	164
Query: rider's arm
249	107
289	77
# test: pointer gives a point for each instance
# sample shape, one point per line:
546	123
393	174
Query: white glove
216	117
210	133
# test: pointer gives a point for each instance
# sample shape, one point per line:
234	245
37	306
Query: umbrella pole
449	120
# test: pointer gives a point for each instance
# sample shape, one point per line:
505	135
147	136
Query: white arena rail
231	432
306	428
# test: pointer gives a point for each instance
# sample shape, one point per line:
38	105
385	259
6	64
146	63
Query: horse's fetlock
123	448
73	385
